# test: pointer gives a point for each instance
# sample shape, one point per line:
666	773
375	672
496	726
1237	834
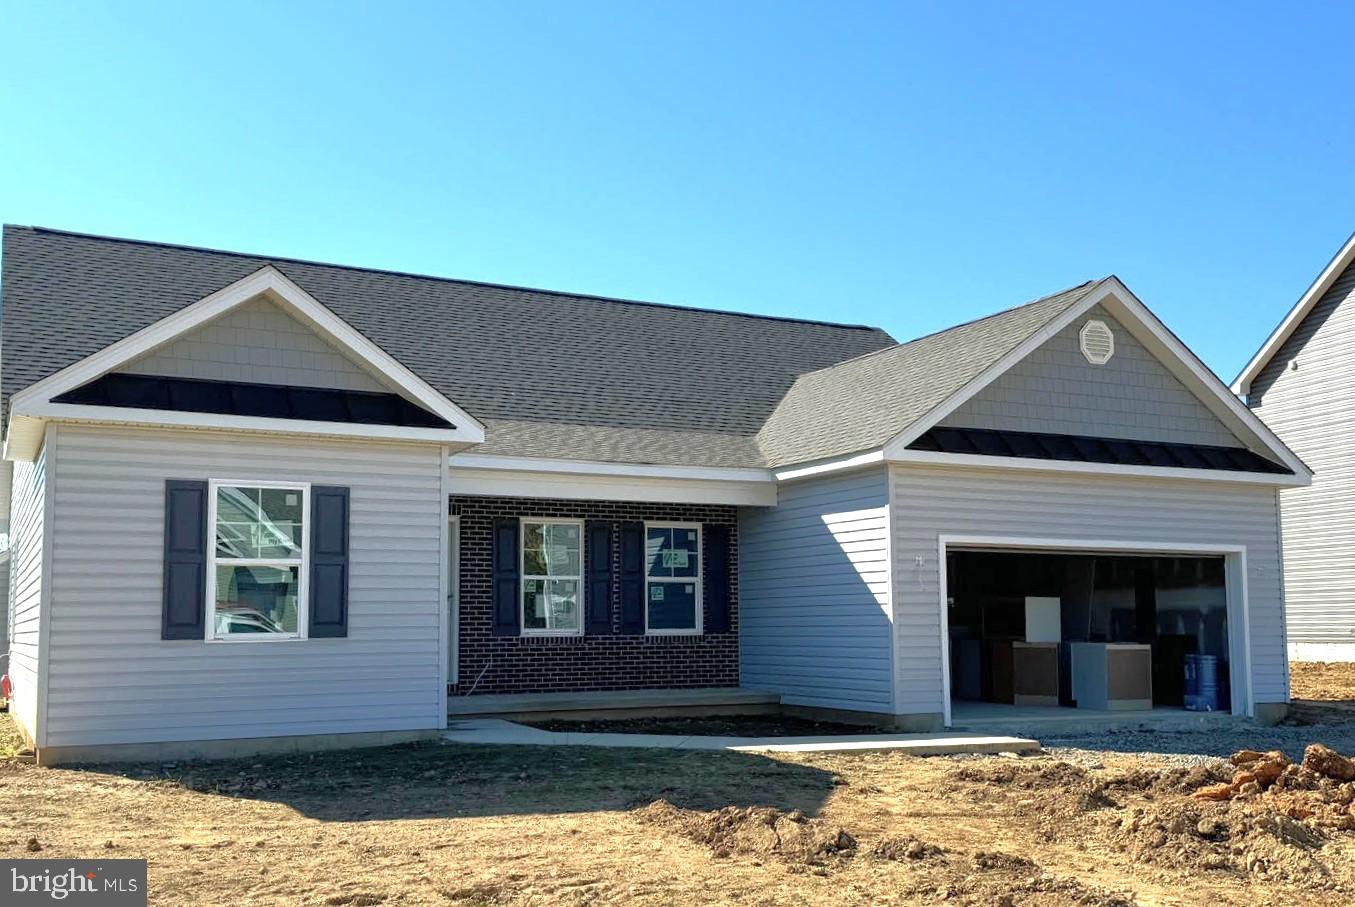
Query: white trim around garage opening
1235	579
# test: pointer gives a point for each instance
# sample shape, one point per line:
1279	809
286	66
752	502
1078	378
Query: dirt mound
1023	775
905	848
761	831
1233	836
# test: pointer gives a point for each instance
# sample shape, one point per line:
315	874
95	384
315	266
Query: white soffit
480	474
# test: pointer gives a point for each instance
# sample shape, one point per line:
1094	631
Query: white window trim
523	576
699	579
303	574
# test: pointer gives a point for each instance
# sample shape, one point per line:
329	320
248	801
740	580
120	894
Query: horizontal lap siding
814	586
931	502
25	587
1312	409
113	680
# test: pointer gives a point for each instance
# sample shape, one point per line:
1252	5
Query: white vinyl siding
1055	390
256	342
112	679
27	519
814	593
934	501
1312	409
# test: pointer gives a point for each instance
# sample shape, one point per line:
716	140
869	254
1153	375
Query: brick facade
524	664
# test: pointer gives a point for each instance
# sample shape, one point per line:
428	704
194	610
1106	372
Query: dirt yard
453	825
1322	680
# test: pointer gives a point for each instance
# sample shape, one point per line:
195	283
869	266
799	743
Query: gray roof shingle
553	374
862	403
550	374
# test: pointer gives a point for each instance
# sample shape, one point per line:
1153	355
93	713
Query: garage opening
1110	632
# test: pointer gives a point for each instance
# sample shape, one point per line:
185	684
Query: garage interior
1108	632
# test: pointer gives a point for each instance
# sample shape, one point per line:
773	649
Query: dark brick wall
524	664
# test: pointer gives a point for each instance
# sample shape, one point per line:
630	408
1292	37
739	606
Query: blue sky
907	165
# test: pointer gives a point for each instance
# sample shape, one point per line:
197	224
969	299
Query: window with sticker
258	562
552	581
672	578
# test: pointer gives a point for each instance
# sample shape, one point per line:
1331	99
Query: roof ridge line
594	297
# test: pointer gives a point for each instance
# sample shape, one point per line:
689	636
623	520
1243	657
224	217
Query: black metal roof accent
1084	449
243	398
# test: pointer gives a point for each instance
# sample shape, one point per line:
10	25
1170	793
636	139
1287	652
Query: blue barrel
1202	683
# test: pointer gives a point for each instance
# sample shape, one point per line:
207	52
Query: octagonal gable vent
1097	342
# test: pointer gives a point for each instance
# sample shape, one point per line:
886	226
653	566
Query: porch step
707	701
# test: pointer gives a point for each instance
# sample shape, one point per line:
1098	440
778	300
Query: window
672	578
257	574
552	581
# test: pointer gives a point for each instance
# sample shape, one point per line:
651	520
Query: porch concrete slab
992	718
497	731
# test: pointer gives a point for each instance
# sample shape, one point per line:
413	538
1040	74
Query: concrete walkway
497	731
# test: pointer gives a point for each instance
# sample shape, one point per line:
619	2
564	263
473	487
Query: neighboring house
263	502
1299	382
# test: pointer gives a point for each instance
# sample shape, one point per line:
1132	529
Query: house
1299	384
259	503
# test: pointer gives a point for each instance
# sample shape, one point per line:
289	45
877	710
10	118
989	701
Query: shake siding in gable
27	517
1312	409
1057	391
260	342
930	502
814	593
112	679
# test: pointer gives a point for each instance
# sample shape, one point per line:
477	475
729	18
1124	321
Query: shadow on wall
427	781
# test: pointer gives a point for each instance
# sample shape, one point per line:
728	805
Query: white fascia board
1174	354
821	467
271	283
23	444
982	461
610	487
603	468
1242	383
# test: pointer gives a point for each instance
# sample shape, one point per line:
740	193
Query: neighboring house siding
27	518
814	580
1056	390
930	502
256	342
1312	409
612	661
4	608
112	679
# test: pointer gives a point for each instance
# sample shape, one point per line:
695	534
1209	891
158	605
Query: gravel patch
1192	747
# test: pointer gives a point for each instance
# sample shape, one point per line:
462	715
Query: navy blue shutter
507	578
185	582
717	579
632	578
599	589
329	562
